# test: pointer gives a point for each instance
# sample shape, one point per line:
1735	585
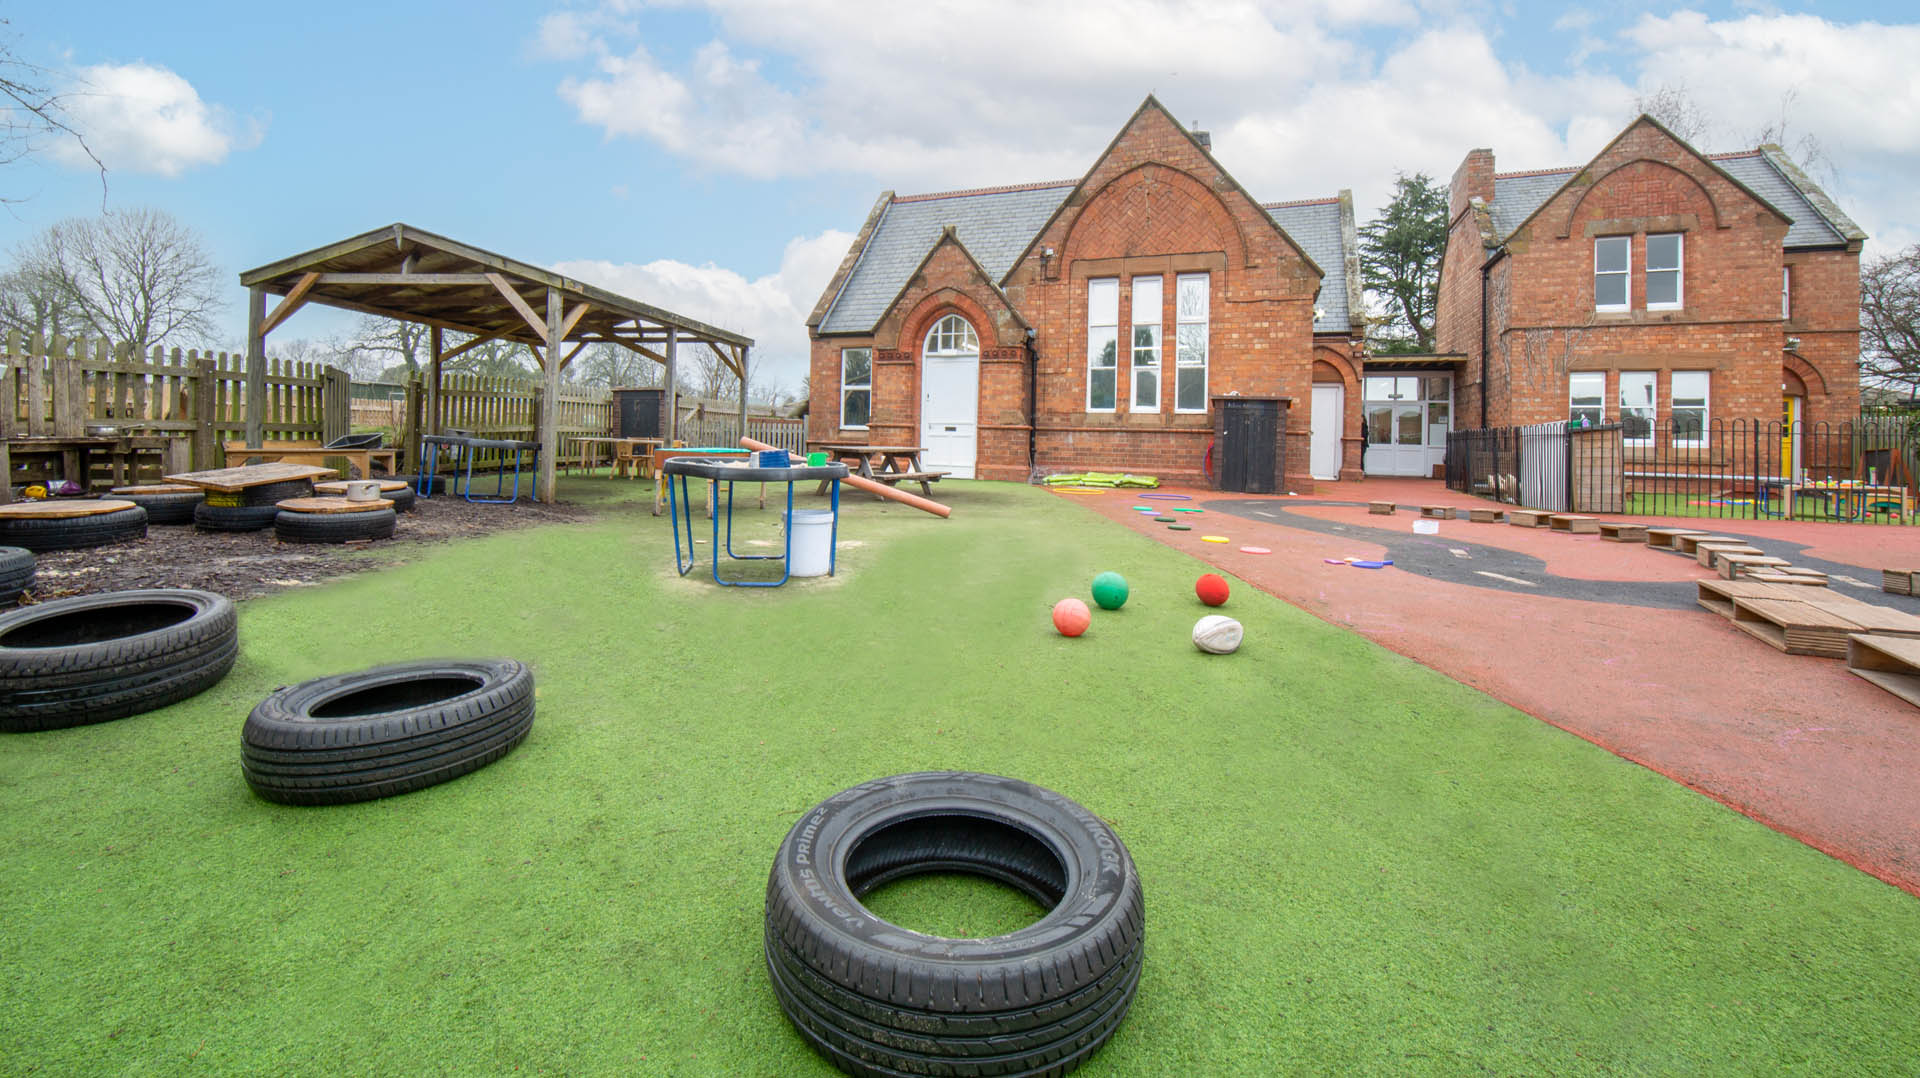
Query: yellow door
1789	437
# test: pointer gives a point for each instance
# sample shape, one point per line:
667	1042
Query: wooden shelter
403	272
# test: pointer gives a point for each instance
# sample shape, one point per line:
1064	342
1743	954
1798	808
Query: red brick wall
1541	316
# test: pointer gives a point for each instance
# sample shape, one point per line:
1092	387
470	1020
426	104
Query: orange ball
1071	617
1211	588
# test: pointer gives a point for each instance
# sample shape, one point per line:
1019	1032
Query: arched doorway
950	397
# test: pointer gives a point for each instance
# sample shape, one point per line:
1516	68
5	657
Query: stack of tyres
879	999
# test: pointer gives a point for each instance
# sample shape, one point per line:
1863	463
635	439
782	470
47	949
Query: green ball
1110	590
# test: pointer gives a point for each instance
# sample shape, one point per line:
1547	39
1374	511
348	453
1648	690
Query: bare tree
35	305
495	358
1890	320
1803	147
138	275
612	365
707	376
391	346
1673	105
31	112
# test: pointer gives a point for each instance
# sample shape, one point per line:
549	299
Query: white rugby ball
1217	634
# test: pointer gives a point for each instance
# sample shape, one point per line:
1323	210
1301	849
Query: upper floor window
1786	291
1103	343
1146	344
1664	291
1690	407
856	387
1612	258
1637	392
1587	398
1191	306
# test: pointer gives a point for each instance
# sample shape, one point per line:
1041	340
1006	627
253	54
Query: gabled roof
1517	195
994	225
1316	227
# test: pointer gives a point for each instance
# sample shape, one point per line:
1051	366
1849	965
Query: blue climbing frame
721	471
466	447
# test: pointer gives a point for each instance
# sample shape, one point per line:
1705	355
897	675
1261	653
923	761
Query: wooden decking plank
1892	663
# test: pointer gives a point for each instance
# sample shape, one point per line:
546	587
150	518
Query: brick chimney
1473	179
1204	138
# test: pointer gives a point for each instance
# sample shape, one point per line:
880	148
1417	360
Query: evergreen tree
1400	253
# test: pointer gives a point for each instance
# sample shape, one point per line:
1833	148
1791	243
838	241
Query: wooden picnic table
657	463
889	464
233	480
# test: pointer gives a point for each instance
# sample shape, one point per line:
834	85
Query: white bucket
811	531
363	490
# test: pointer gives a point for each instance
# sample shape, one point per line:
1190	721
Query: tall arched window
952	338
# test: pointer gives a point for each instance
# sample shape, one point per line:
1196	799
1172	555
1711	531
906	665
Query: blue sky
716	157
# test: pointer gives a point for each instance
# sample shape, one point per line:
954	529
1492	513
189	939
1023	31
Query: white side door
1329	407
949	413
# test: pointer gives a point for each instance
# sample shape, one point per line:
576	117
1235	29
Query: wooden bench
1529	518
309	452
1486	516
1437	512
1666	538
1380	509
1689	544
1621	531
1574	524
1708	554
1736	565
925	479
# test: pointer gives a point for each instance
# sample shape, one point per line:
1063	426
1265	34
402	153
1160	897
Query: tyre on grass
74	533
879	999
295	527
92	658
16	573
209	517
390	730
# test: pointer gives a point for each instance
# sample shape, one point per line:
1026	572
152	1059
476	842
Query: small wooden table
332	505
234	480
896	464
625	456
302	453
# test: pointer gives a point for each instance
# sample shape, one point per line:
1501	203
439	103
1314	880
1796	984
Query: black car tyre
92	658
385	731
74	533
166	508
293	527
876	998
233	518
275	493
16	573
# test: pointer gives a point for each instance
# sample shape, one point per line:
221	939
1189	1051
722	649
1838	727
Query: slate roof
1315	226
997	224
1517	194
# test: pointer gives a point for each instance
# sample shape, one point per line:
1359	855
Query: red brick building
1098	324
1652	285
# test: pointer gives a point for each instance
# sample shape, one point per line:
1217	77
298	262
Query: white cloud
772	309
141	117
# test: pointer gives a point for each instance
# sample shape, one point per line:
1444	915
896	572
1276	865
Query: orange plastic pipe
923	504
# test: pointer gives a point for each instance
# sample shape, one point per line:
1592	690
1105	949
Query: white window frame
1649	410
1625	273
1103	339
1786	291
1598	396
1184	359
1675	395
1678	269
847	389
1148	309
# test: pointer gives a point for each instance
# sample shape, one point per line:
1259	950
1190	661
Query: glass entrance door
1408	417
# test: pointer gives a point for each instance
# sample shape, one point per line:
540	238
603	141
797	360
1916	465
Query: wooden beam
420	279
256	365
673	387
513	298
294	301
469	346
632	347
732	363
568	358
573	319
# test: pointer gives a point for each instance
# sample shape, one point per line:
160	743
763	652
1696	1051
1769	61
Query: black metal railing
1862	471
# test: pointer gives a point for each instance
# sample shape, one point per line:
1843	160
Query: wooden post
256	365
740	357
37	360
410	428
205	388
550	399
671	427
336	404
436	348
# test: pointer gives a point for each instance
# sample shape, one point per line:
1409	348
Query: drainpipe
1033	406
1485	269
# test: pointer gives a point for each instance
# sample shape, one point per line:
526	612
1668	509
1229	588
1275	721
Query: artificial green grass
1351	864
1742	508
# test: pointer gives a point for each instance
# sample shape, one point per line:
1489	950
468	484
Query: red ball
1071	617
1211	588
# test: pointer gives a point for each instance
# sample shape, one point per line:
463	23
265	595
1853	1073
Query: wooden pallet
1785	575
1878	620
1892	663
1528	518
1734	565
1438	512
1380	509
1708	554
1621	531
1796	628
1664	538
1574	524
1689	543
1897	581
1718	595
1487	516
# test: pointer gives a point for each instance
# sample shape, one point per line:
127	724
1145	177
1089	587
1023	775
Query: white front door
1407	418
950	398
1329	408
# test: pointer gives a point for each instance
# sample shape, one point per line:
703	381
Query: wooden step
1785	576
1574	524
1893	663
1897	581
1528	518
1706	553
1486	516
1734	565
1437	512
1718	595
1621	531
1689	542
1380	509
1663	538
1794	627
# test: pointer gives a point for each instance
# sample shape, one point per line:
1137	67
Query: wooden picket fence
504	408
60	387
